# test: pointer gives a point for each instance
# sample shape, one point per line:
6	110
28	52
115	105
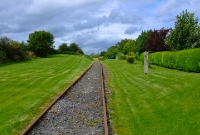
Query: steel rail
104	103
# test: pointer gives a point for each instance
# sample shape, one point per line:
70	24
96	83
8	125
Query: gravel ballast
79	111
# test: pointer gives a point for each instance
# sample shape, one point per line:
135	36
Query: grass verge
27	88
163	102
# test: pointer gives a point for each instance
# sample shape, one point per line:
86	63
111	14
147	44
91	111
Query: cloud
117	16
131	30
90	42
171	7
93	24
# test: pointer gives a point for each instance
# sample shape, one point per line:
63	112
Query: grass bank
163	102
27	88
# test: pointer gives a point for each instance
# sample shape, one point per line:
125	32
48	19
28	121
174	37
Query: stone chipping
79	111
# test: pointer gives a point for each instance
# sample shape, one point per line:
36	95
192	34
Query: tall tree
129	46
103	53
186	33
63	47
155	41
121	44
141	40
112	52
41	43
75	48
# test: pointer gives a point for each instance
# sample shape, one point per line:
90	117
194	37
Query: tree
155	41
12	50
112	52
75	48
141	40
19	51
103	53
186	33
63	47
41	43
121	44
129	46
5	48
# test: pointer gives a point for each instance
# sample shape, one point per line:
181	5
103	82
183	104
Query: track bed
79	111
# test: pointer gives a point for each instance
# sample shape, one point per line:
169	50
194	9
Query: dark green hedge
187	60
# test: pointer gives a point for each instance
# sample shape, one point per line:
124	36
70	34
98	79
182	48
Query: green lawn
27	88
163	102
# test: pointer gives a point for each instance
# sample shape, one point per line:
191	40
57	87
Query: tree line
39	43
184	35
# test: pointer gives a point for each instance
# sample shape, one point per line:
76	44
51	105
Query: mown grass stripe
26	88
164	101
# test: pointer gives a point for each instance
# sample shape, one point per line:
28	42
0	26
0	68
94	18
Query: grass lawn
163	102
27	88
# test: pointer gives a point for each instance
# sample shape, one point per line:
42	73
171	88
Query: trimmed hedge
187	60
142	56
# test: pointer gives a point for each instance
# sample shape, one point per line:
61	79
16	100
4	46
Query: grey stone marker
146	63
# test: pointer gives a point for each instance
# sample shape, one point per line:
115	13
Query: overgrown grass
27	88
163	102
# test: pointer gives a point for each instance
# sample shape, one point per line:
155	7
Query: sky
94	25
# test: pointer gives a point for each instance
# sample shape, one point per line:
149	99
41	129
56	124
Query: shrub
187	60
12	51
130	59
142	57
121	56
137	56
181	59
165	58
151	57
193	60
130	54
2	57
157	58
173	62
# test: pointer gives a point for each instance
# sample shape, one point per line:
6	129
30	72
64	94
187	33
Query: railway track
80	109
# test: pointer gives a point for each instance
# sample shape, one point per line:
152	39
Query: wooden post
146	63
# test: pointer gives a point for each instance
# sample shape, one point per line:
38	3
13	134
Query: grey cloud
170	8
11	29
93	42
57	30
94	22
124	17
88	20
131	30
114	17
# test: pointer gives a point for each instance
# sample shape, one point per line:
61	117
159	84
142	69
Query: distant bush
102	58
187	60
121	56
137	56
13	51
89	57
142	57
130	59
